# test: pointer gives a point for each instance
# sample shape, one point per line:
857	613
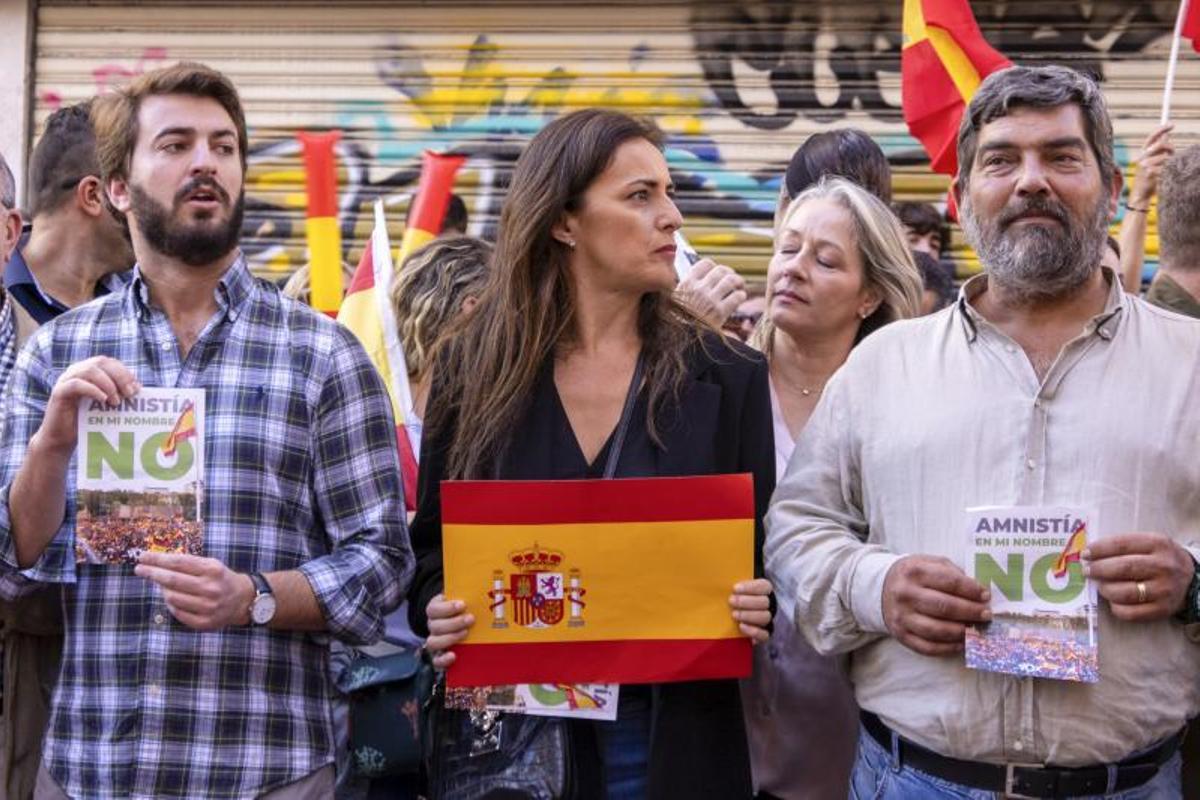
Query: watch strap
1190	614
261	586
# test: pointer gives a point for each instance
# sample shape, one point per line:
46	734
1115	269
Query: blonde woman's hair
427	293
888	264
299	285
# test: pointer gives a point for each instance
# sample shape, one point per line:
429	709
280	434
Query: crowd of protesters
870	396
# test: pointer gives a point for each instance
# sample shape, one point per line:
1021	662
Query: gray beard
1038	263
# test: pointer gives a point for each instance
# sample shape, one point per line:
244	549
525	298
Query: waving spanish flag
604	581
185	428
367	309
1072	551
942	63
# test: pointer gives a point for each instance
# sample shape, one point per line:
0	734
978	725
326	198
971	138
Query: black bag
475	755
389	696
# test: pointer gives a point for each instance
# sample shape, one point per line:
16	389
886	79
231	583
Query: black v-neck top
544	446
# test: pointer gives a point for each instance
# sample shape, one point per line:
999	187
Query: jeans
625	745
876	778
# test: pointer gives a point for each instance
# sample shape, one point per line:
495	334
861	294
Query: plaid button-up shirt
301	474
8	339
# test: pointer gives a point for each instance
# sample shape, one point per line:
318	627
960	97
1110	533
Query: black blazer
722	424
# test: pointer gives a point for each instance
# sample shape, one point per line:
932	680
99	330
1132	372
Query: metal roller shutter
736	86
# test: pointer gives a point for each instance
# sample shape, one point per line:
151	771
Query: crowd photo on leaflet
565	508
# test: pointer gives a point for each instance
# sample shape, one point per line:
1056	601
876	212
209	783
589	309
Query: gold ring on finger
1141	590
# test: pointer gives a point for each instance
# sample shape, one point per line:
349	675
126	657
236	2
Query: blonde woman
437	283
841	269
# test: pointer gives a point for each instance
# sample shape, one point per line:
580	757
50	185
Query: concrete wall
16	56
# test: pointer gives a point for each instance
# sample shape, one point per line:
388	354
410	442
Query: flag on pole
943	61
615	581
1191	23
368	313
367	308
321	221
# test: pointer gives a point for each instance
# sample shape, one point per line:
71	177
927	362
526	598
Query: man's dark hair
847	153
1042	87
456	216
1178	205
935	277
65	155
923	219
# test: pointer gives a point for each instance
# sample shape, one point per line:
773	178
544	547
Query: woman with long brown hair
577	317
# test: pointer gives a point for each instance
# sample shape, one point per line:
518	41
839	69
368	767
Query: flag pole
1173	63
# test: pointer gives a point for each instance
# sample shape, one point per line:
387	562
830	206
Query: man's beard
1038	262
195	244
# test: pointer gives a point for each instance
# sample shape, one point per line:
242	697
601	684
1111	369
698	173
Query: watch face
263	609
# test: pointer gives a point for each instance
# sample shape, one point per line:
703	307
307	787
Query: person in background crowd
866	528
925	227
744	319
846	153
1155	152
75	252
938	289
298	287
530	385
841	270
438	282
1176	286
78	242
713	290
193	676
454	223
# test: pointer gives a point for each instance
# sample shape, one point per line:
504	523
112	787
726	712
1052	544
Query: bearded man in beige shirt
1044	384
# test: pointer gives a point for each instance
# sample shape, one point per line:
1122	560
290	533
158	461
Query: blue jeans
876	778
625	745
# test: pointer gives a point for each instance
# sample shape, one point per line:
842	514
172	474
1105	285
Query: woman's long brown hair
489	360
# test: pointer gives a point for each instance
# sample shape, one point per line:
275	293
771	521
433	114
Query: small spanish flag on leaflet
943	60
598	581
1072	551
185	428
321	222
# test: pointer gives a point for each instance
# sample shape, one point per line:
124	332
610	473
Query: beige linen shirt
929	417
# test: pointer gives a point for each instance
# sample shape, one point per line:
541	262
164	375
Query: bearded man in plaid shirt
190	676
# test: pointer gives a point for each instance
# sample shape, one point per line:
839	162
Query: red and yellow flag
1072	551
185	428
367	312
367	309
942	63
321	222
598	581
1191	23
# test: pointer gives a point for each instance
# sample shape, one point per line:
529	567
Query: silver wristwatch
262	608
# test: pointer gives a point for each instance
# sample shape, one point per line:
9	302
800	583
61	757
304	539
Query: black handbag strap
618	442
